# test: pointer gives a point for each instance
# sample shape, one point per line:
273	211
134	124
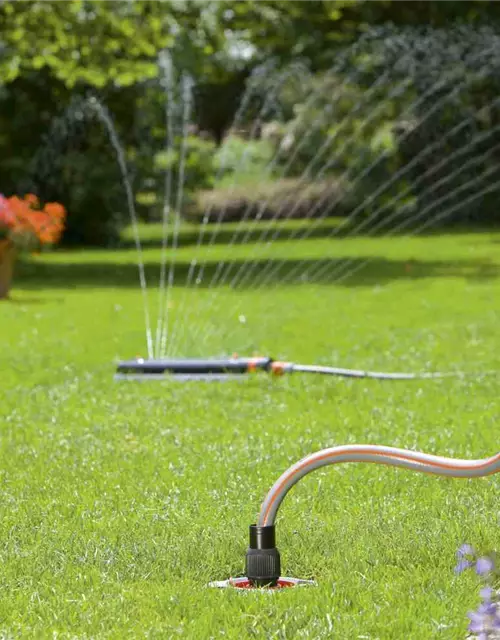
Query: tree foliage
316	29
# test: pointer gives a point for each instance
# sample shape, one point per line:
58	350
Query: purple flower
486	593
465	550
477	621
462	565
487	608
484	566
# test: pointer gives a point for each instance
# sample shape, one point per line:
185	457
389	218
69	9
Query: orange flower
32	200
55	209
25	216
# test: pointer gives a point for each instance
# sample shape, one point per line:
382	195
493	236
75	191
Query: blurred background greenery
53	54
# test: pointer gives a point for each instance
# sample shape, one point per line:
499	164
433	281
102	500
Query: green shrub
242	161
414	124
199	173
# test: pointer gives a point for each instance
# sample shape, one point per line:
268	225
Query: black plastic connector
263	565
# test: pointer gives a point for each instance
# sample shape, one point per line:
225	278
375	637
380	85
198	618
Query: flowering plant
27	225
24	224
485	621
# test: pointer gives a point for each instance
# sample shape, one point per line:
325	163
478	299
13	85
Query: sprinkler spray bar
207	368
263	559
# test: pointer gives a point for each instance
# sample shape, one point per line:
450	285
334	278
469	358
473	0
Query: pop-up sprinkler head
262	570
263	567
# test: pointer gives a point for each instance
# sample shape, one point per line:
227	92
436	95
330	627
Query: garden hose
263	559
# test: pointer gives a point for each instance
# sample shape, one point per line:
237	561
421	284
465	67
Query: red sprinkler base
244	583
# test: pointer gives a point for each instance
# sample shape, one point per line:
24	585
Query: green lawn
121	501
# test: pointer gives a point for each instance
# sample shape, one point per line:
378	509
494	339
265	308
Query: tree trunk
7	259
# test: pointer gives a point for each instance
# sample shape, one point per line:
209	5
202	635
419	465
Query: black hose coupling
263	567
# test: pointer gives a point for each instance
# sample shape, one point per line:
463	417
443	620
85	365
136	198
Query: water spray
209	369
263	565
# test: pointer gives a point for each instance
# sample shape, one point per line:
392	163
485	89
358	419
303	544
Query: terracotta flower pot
7	259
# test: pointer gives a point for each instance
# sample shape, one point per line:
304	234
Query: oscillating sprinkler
191	368
263	567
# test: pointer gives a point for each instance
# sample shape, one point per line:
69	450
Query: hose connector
280	368
263	566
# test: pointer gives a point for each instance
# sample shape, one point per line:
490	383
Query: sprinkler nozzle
263	567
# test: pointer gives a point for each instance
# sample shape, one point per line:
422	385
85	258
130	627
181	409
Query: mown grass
120	501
